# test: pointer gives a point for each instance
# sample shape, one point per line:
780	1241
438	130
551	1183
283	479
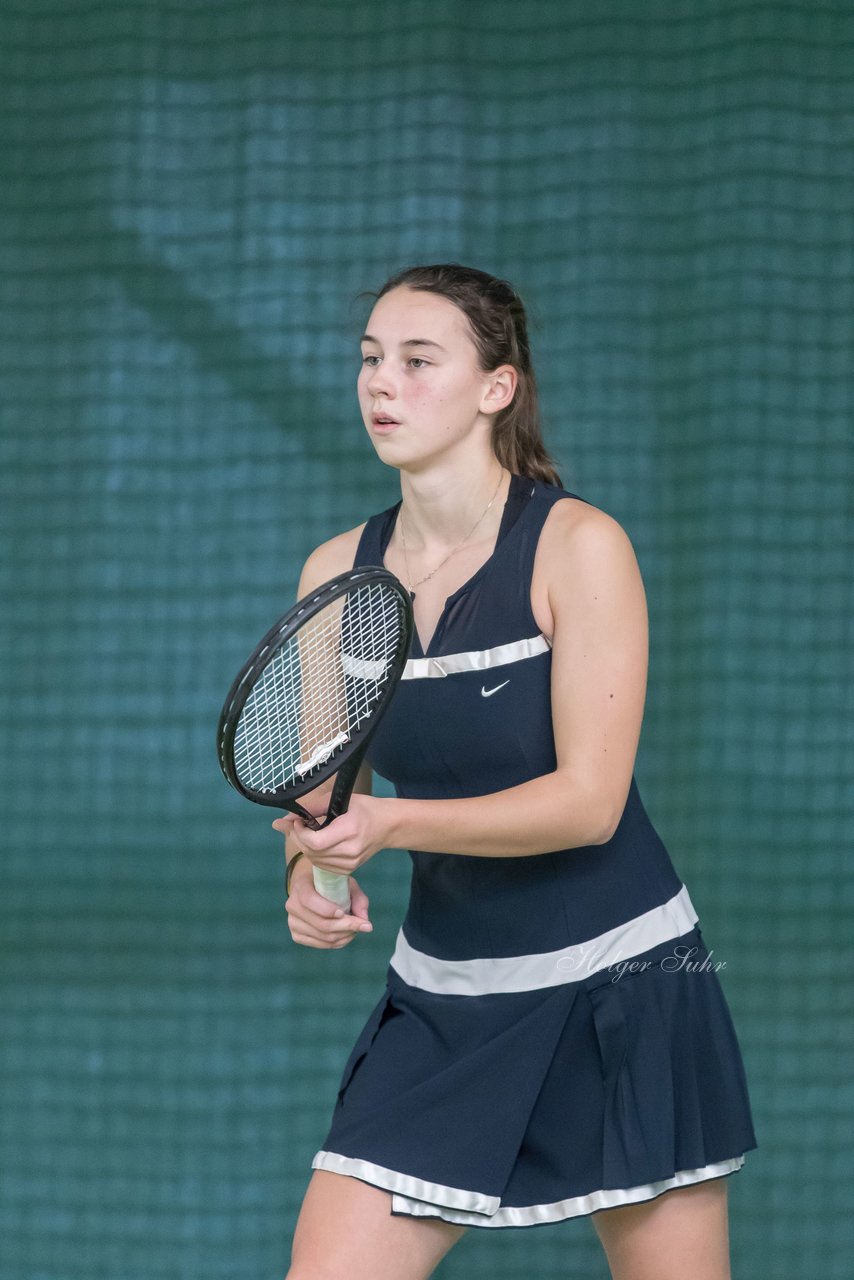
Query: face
421	390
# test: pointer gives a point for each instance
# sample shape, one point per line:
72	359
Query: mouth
383	422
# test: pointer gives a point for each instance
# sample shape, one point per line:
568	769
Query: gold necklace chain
427	576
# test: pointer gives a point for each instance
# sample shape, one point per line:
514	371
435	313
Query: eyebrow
410	342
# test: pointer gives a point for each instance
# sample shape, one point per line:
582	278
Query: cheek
446	406
429	396
363	394
420	396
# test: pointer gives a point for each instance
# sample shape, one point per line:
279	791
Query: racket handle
332	886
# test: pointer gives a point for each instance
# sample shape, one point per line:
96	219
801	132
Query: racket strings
295	701
317	688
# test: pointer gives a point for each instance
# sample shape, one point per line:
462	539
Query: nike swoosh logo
487	693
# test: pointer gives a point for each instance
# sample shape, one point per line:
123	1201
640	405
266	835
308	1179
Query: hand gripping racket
306	703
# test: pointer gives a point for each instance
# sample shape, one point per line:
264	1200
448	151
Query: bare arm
599	669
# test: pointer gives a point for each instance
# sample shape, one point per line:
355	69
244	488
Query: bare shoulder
580	528
332	557
583	551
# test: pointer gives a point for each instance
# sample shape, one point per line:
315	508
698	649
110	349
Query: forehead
404	314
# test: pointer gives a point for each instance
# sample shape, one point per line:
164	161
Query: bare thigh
683	1232
346	1231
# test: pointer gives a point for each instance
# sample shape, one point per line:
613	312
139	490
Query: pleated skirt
528	1107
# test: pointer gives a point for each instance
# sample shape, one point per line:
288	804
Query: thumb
309	840
359	901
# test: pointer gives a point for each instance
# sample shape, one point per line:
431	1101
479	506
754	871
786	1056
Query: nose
379	382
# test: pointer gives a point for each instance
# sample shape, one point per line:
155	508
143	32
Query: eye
368	360
418	362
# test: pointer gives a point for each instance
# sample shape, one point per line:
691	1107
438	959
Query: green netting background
192	193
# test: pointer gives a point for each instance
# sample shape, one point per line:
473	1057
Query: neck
440	506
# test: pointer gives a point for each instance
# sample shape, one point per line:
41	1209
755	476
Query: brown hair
497	318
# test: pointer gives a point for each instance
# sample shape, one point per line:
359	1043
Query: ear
500	389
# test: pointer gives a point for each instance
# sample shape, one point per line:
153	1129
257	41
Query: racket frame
345	763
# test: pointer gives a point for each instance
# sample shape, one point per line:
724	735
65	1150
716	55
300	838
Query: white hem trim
576	1206
411	1189
452	664
422	1199
548	968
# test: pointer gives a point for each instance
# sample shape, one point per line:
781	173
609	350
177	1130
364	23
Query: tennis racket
306	703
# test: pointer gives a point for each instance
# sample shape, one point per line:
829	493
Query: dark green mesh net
192	194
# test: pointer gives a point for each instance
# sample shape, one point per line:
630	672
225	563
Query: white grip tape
332	886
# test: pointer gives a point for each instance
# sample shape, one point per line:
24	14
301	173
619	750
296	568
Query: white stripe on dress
364	668
547	968
451	664
423	1199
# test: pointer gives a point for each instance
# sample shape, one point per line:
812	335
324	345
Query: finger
339	864
321	863
300	933
358	901
322	930
316	904
311	905
339	924
320	944
310	841
302	930
339	832
351	924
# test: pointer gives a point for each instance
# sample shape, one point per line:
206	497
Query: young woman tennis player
553	1040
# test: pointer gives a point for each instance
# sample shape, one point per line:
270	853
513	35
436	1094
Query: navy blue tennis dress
553	1038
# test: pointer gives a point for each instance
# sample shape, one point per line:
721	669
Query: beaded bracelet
293	862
